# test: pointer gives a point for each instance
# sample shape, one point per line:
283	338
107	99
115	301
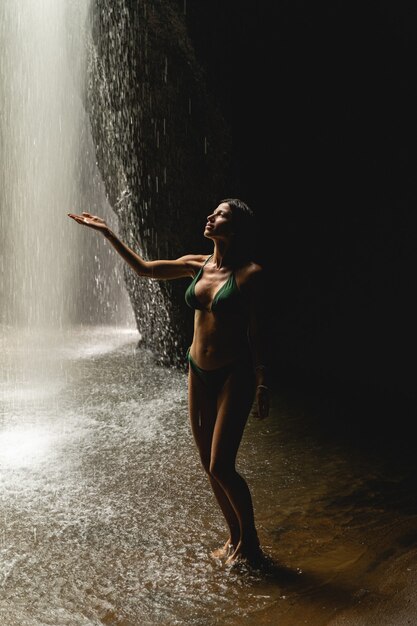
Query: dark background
319	99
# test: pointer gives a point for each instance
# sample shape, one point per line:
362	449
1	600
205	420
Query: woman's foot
250	555
224	552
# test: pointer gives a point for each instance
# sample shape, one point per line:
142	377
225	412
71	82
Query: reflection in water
107	518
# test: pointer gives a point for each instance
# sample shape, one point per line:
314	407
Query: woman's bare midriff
217	344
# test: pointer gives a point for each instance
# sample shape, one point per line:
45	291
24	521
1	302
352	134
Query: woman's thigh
234	405
202	406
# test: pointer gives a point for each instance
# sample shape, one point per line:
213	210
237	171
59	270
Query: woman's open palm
92	221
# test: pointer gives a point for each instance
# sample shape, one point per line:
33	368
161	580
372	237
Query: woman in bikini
227	357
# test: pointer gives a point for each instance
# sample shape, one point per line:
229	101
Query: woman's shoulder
194	261
251	275
251	270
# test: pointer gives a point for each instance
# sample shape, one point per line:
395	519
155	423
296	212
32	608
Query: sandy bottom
384	596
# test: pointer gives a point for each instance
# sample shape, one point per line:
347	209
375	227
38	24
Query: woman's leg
234	405
202	403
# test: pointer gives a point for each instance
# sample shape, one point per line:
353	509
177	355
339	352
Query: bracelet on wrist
262	387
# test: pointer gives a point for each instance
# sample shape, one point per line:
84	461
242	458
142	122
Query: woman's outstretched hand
92	221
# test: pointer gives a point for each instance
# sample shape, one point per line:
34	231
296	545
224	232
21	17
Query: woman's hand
262	401
92	221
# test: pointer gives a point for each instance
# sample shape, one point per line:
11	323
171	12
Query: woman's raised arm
162	269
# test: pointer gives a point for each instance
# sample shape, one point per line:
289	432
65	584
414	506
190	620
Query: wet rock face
163	149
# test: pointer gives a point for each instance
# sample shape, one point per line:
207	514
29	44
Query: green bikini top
225	297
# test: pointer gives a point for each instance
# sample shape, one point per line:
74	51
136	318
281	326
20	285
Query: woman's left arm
259	338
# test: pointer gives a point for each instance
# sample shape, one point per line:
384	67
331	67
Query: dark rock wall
163	148
316	132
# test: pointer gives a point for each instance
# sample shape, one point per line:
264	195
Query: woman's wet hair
243	225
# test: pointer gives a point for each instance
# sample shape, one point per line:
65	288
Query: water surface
106	516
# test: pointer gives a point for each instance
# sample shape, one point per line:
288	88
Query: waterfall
53	271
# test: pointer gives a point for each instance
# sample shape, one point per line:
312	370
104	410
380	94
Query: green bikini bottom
214	379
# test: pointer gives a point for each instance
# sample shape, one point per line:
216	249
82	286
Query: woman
226	359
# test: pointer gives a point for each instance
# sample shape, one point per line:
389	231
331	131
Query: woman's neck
221	256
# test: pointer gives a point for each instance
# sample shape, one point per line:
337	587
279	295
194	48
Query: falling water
53	274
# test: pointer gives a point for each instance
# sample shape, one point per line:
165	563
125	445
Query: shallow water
107	518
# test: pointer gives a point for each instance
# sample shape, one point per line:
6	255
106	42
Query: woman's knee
221	470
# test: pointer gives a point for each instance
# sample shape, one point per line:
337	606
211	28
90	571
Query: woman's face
219	223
